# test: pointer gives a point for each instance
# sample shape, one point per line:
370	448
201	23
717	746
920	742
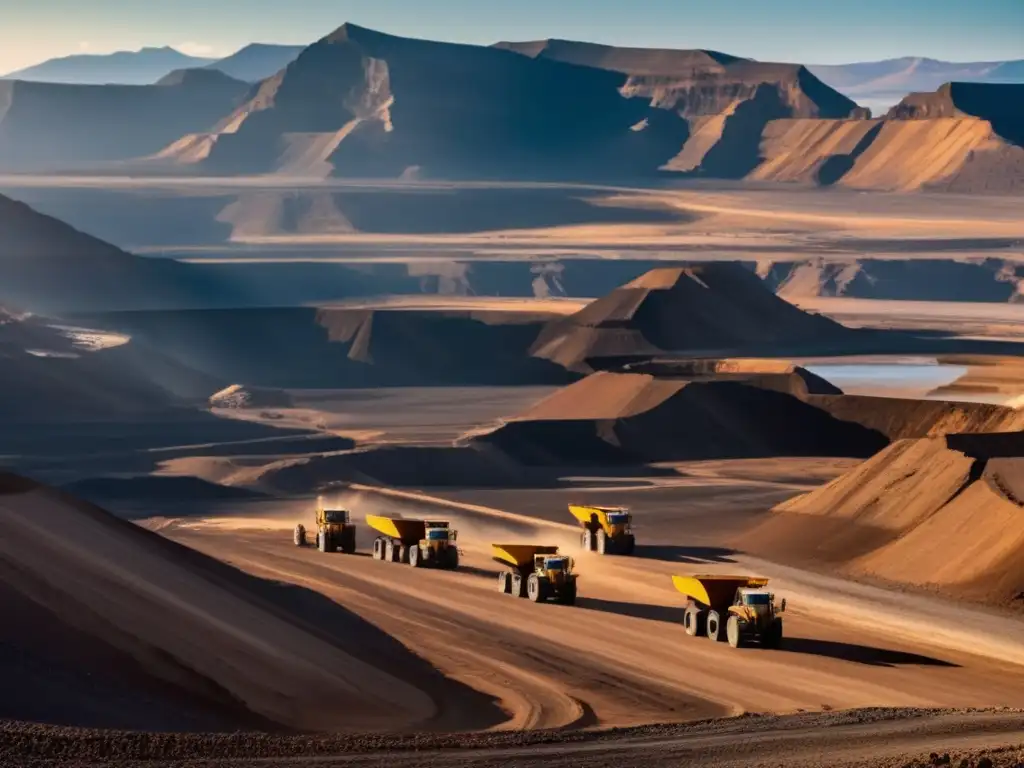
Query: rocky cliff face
361	103
48	126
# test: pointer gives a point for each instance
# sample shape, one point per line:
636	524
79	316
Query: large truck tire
299	537
518	585
732	631
534	588
568	596
378	549
505	583
773	636
714	626
415	559
348	541
629	545
693	621
587	541
321	540
330	543
451	559
602	542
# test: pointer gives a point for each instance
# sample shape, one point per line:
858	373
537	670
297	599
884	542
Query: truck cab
620	522
555	567
438	533
335	516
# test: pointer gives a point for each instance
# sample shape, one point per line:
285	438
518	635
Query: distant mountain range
875	84
361	104
883	83
252	63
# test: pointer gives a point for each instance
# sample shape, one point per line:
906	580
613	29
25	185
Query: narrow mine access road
620	656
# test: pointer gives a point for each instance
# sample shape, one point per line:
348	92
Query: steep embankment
304	347
362	103
715	308
697	82
962	138
49	267
941	512
51	377
49	126
196	644
727	101
632	417
897	418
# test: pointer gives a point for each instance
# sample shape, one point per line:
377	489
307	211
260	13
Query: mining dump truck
334	530
420	543
538	572
735	608
606	530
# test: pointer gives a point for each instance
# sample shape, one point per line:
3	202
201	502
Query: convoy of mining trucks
738	609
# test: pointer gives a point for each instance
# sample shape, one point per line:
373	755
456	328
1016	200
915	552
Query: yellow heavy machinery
739	609
538	573
606	530
334	530
420	543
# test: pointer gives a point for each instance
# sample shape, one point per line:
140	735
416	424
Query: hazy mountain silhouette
56	126
257	61
889	80
142	67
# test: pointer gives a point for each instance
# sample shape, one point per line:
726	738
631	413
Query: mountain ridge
142	67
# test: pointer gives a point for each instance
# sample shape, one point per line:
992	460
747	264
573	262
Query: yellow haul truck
420	543
736	608
538	573
334	530
606	530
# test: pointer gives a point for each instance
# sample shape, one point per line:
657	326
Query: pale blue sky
809	31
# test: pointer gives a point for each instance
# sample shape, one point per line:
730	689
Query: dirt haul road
620	657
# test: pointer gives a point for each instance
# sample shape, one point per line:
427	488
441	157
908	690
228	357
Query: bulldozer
738	609
606	530
334	530
419	543
537	572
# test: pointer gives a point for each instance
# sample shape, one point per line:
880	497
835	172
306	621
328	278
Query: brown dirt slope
49	267
714	307
898	418
939	512
630	418
196	643
360	103
963	138
309	348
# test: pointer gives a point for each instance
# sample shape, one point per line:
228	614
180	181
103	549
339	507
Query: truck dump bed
586	513
713	590
520	555
406	531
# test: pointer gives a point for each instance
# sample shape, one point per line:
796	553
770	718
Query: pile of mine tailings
944	513
713	308
637	417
